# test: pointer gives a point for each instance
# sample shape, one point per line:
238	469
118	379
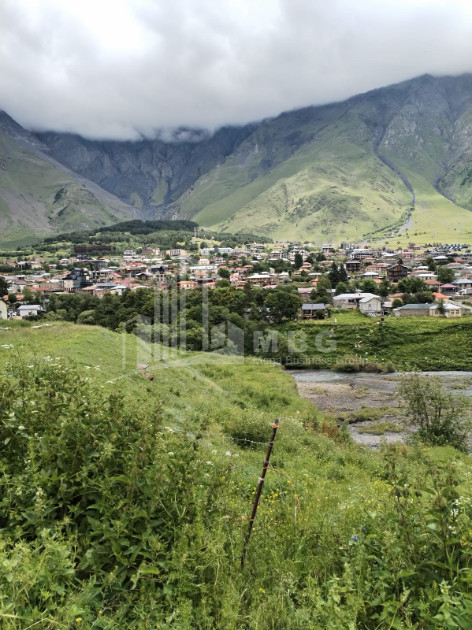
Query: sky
119	69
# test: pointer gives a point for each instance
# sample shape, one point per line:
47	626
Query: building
76	280
416	310
397	272
28	310
464	285
353	266
371	305
314	311
350	300
452	310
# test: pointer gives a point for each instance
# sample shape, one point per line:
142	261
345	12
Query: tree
445	275
424	297
282	306
370	286
28	295
333	274
385	288
343	277
3	287
224	273
437	416
320	295
341	287
298	260
412	285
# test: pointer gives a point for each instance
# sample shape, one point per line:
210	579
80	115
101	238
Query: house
449	289
259	279
185	285
397	271
380	268
371	305
464	285
350	300
417	310
314	311
353	265
452	310
76	280
3	310
28	310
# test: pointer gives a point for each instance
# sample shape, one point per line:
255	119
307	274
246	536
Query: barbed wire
220	436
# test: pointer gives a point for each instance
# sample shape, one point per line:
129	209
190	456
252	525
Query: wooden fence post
275	426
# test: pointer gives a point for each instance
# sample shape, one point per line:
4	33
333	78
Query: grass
380	428
369	413
333	539
422	343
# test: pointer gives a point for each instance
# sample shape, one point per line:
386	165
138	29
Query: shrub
439	417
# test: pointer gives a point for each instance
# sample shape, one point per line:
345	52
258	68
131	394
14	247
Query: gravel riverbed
342	395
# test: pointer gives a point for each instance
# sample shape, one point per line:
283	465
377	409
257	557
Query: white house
350	300
26	310
3	310
371	305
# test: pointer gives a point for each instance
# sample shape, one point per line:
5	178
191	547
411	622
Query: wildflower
78	619
355	538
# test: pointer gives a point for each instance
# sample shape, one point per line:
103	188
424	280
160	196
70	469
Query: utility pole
275	426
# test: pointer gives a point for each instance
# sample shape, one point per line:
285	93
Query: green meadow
126	492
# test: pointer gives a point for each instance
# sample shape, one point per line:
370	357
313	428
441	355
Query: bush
439	417
248	431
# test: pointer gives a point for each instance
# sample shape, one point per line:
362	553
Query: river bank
365	402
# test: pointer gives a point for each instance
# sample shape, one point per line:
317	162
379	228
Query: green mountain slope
395	162
39	196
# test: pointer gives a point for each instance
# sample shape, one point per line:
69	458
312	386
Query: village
376	282
443	272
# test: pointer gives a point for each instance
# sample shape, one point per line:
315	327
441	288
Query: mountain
394	163
39	196
397	160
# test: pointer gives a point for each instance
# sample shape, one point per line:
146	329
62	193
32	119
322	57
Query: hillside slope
392	161
394	164
39	196
125	502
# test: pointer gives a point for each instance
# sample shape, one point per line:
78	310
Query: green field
419	343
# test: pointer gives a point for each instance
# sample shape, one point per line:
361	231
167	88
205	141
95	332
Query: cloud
121	68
